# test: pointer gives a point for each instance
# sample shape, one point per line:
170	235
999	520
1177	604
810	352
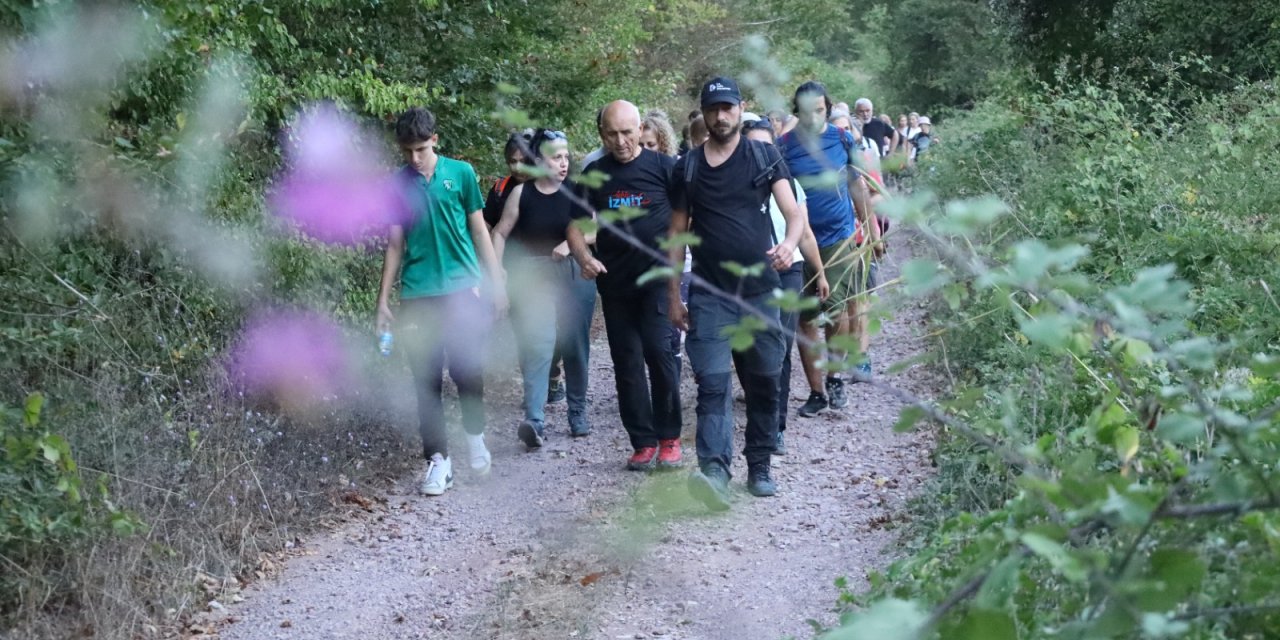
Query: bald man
635	315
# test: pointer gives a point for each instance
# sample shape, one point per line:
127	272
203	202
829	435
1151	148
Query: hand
880	248
781	255
678	313
824	289
592	268
500	302
560	252
384	318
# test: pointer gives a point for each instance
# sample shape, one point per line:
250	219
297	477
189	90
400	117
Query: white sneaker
438	477
480	459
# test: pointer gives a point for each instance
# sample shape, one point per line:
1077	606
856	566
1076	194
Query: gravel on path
564	543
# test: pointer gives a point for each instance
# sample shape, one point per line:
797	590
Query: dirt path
564	543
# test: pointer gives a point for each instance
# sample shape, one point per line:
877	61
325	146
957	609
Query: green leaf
792	301
753	271
1180	570
984	624
123	143
890	619
657	273
51	452
1180	428
963	217
1129	510
587	226
1049	329
686	238
908	418
743	334
923	275
1057	556
34	405
592	179
1000	583
1126	443
1265	365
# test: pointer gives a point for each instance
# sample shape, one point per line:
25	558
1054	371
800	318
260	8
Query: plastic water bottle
384	343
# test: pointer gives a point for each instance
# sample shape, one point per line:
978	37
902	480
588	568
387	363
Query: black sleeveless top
544	219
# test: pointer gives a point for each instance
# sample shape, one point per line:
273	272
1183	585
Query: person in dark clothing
552	302
513	153
724	188
635	315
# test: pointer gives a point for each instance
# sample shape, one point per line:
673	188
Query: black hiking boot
759	482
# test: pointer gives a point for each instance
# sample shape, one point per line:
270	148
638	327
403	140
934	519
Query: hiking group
745	211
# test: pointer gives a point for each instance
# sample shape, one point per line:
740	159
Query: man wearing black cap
724	186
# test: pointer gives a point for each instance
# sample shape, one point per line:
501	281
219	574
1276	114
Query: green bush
1107	466
46	513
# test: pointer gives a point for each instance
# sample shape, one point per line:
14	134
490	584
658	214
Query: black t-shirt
497	199
878	132
731	216
641	183
544	219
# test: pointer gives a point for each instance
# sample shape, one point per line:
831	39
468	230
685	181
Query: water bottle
384	343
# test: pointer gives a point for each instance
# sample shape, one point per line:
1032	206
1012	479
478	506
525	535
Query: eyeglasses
554	135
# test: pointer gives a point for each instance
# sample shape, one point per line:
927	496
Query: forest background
1108	451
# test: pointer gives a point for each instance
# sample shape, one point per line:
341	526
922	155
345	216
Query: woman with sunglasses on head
551	302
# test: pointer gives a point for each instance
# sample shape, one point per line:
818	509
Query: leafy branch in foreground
1147	517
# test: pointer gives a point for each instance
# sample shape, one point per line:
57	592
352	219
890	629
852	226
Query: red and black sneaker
669	454
642	459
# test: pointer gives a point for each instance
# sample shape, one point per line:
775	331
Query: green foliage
44	508
1112	472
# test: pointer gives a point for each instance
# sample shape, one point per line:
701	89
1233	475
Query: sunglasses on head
554	135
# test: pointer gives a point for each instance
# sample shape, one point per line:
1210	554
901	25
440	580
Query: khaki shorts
850	273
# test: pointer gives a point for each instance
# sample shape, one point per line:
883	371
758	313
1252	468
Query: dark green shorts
850	273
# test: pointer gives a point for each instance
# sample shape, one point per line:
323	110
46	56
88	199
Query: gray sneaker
530	434
711	487
816	402
779	445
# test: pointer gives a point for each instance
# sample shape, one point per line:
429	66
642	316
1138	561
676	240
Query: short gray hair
861	102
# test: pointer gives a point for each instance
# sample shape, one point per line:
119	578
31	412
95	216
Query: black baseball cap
720	90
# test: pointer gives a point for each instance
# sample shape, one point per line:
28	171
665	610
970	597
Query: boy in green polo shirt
437	257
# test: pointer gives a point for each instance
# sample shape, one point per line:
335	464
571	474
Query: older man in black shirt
635	315
724	186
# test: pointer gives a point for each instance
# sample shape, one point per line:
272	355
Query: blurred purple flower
334	189
296	357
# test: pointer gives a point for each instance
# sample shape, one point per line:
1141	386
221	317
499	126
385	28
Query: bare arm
578	242
677	312
781	254
510	214
390	274
488	259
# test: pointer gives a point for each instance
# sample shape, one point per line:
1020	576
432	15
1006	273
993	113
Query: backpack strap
760	163
691	162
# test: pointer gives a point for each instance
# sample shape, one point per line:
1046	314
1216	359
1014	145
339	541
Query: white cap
925	120
748	116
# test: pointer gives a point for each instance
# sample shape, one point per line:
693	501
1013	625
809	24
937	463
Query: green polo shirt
439	257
